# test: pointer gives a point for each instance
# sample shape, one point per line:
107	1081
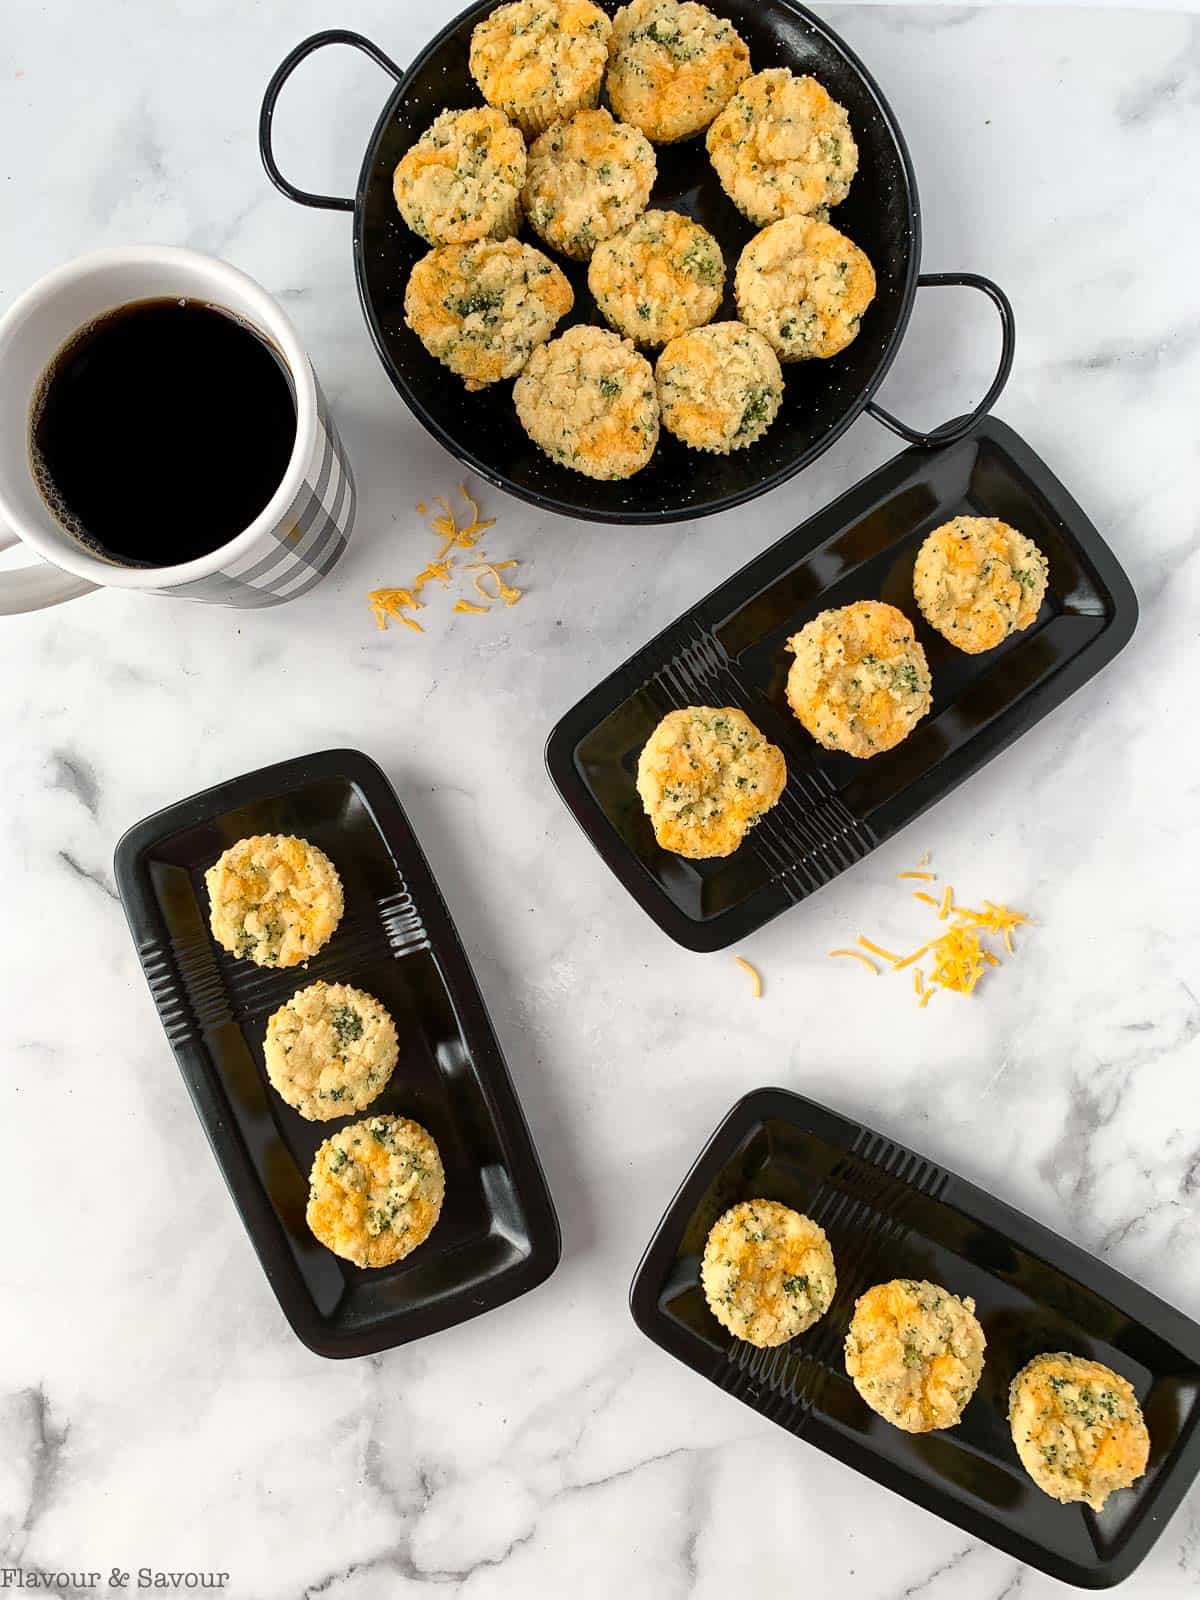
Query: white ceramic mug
290	545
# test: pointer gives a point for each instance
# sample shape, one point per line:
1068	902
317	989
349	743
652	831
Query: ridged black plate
891	1214
498	1235
729	650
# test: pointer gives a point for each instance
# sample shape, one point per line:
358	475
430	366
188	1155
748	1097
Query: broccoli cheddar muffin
915	1354
376	1190
783	148
586	180
330	1050
720	387
767	1272
860	682
462	179
804	286
274	900
672	66
705	776
483	308
539	60
658	277
1078	1428
977	580
588	400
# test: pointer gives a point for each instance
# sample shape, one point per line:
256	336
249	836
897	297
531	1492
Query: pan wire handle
949	432
317	41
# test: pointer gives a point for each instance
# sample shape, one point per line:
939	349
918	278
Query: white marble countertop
154	1408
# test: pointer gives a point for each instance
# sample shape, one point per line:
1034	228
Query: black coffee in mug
161	430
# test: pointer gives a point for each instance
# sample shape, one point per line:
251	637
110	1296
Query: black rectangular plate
729	650
891	1214
498	1235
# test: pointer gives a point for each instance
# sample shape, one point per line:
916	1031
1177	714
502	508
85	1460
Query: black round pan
823	398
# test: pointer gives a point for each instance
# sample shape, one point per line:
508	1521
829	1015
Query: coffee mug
288	548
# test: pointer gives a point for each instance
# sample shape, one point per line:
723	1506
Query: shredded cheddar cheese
858	956
959	957
877	950
395	605
493	569
447	528
928	877
755	977
958	962
907	961
993	919
390	603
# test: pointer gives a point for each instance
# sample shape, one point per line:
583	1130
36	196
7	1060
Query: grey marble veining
154	1408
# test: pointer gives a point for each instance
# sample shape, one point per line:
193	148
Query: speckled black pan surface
729	649
889	1213
497	1236
823	397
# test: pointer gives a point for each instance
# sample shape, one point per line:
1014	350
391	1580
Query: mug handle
34	588
316	41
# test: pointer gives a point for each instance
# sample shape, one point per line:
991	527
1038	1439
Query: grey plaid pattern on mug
303	546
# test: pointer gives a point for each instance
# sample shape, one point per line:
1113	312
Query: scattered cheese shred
925	859
447	528
959	958
858	956
436	571
389	604
755	977
994	919
907	961
958	962
878	950
393	605
928	877
493	569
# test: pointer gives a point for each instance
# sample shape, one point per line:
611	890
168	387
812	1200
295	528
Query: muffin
977	580
274	900
588	400
376	1190
767	1272
1078	1428
915	1354
782	147
587	179
804	286
860	682
540	60
330	1050
705	776
657	278
483	308
672	66
720	387
462	179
